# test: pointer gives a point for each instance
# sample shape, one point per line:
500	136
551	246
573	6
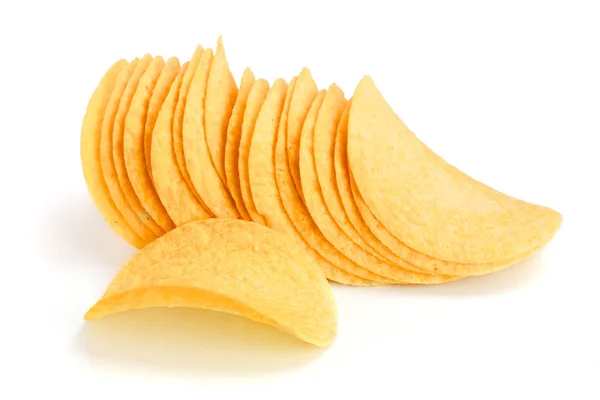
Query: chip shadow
75	233
184	340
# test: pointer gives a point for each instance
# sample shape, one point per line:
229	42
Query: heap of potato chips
166	145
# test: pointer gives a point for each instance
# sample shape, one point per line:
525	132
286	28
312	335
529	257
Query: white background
508	92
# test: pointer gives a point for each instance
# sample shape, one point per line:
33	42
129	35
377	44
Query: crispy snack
90	154
231	266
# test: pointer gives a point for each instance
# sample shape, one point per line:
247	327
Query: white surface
509	93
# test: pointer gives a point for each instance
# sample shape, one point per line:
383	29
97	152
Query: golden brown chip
91	131
234	134
324	133
203	174
134	220
262	180
172	189
178	121
300	104
161	90
221	94
133	146
441	213
296	209
256	98
232	266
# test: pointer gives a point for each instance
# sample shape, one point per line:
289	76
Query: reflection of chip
463	228
221	94
263	183
234	134
232	266
107	161
90	154
323	133
161	90
133	146
172	189
203	174
257	96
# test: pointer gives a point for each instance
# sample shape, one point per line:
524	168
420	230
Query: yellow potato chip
261	171
295	207
303	98
349	213
256	98
221	94
324	133
203	174
440	213
118	145
161	90
172	189
133	146
232	146
231	266
134	220
90	154
178	120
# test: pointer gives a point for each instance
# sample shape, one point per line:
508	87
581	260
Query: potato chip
295	207
133	146
324	132
178	120
349	207
221	94
231	266
90	152
262	180
134	220
161	90
172	189
431	208
232	146
256	98
203	174
303	97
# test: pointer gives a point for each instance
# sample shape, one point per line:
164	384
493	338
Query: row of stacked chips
164	144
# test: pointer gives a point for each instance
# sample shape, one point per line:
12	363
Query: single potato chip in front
171	187
233	266
90	154
440	214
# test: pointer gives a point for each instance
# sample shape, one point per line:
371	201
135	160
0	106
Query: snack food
231	266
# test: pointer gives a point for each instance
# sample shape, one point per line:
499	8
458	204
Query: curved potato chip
324	133
203	174
163	85
232	266
256	98
178	121
296	209
232	146
303	98
118	145
174	193
133	146
349	208
221	94
107	161
460	222
90	154
262	180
